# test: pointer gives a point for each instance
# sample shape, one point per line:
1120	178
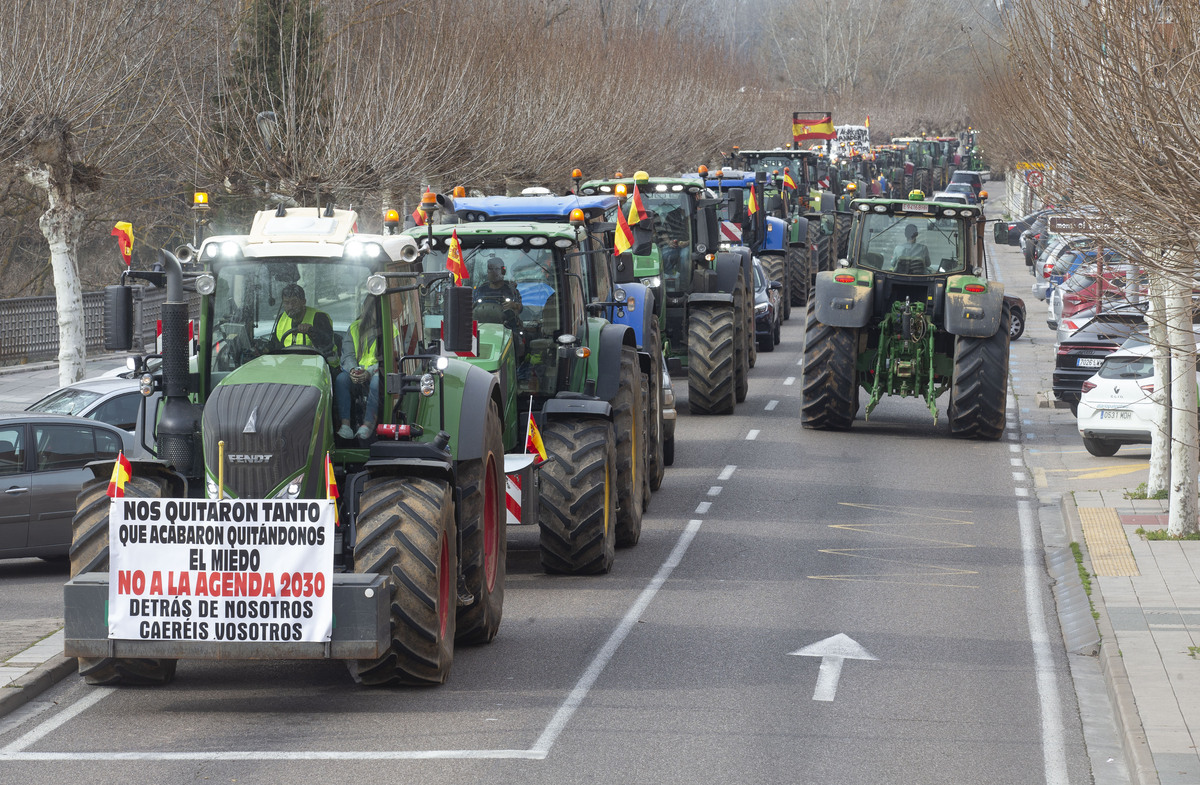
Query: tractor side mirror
458	315
624	267
737	205
118	318
643	240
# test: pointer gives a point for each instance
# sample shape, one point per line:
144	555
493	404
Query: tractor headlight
146	385
428	384
206	284
292	489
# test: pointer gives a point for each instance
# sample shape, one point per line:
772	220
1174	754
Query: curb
1129	723
37	681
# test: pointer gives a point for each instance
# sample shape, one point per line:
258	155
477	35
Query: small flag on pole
533	440
122	472
623	239
331	489
454	259
753	202
821	128
123	231
637	210
788	182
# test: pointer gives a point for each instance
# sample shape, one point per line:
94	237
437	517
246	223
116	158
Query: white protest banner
227	570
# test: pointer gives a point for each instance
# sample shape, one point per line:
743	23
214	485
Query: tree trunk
61	225
1182	508
1160	448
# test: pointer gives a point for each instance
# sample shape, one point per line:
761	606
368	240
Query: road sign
1034	178
1074	224
833	651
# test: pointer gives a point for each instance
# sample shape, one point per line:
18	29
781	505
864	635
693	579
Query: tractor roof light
576	174
621	190
537	241
428	202
200	200
916	195
230	249
618	175
702	170
459	192
391	218
661	188
640	176
514	241
577	216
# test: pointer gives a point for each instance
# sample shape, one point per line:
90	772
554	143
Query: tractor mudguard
727	265
141	467
844	304
608	370
710	297
637	316
973	314
776	236
478	388
575	405
798	232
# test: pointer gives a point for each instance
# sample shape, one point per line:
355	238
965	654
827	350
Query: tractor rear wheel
979	393
482	534
711	359
843	221
629	424
829	397
406	534
89	553
656	466
577	513
921	182
775	268
801	275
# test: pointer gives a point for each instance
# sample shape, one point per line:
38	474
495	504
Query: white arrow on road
832	651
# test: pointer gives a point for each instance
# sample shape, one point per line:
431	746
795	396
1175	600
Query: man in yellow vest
307	326
360	368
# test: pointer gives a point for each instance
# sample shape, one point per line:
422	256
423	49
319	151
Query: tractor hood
273	415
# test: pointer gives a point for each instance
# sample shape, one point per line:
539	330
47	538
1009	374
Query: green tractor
408	555
704	297
911	314
541	330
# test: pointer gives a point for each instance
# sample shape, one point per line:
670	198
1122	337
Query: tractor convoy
353	419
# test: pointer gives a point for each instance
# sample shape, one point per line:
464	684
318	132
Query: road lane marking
715	490
789	381
752	436
727	472
770	407
703	507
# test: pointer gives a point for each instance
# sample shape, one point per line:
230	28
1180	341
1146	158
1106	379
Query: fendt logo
235	457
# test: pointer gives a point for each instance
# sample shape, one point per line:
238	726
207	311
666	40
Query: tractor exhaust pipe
179	423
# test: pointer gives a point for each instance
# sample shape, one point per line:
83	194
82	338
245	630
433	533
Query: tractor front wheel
89	553
711	360
406	534
577	515
801	277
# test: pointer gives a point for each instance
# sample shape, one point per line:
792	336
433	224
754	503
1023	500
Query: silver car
111	399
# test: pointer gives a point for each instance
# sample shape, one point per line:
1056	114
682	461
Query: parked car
1016	323
42	460
965	189
1089	292
768	310
1115	407
1078	357
948	197
1009	232
111	399
968	178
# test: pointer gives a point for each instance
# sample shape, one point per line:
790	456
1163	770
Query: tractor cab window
283	305
672	233
911	245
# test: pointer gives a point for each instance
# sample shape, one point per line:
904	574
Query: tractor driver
497	289
907	257
672	237
307	326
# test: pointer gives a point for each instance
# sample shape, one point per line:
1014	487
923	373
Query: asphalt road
681	666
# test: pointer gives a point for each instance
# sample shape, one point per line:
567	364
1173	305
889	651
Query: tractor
543	334
911	314
703	296
397	522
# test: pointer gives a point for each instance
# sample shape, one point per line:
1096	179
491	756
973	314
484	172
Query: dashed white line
770	407
1018	476
752	436
715	490
727	472
1021	491
789	381
1014	448
1014	461
703	507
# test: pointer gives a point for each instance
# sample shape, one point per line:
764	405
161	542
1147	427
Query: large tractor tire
748	314
577	516
655	465
921	182
844	220
775	268
482	529
711	360
406	534
743	340
629	425
801	276
89	553
979	393
829	397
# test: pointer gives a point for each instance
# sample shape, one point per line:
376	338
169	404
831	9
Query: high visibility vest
366	355
297	339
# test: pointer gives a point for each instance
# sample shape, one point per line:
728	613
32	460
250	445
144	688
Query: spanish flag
331	489
454	259
418	216
821	128
753	207
122	472
623	240
123	231
533	440
637	210
788	182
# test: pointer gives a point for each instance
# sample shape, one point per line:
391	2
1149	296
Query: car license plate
1115	414
1088	362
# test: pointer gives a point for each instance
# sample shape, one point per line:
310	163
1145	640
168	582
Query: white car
1115	407
950	197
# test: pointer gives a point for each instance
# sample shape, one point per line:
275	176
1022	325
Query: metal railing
29	325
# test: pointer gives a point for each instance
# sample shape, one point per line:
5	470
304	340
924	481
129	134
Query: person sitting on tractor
300	325
360	370
911	258
499	291
672	237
